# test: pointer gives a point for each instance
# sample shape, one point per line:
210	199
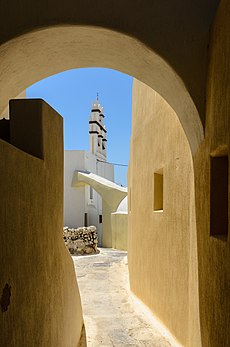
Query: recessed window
158	191
5	130
219	196
91	193
100	218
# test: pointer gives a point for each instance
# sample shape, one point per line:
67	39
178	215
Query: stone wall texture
81	240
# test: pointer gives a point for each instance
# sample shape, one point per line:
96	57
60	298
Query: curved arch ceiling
39	54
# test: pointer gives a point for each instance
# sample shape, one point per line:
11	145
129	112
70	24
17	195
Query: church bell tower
97	131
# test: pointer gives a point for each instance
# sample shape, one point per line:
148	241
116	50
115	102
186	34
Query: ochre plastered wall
119	222
162	244
214	252
45	308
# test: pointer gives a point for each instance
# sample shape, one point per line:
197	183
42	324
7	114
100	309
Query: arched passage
178	31
36	55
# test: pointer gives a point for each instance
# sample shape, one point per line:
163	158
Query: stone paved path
112	315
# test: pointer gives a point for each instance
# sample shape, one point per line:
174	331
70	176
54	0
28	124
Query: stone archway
41	53
66	47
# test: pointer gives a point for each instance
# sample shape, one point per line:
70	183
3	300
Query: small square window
158	190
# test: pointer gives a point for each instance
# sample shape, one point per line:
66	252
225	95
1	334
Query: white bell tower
97	131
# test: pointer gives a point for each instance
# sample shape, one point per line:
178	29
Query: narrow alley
112	315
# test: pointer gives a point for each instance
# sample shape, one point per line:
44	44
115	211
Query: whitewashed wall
77	201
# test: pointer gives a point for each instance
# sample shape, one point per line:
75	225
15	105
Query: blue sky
71	94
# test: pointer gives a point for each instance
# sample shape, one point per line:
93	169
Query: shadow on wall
162	243
39	292
83	340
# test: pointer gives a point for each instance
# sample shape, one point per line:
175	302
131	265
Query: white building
83	206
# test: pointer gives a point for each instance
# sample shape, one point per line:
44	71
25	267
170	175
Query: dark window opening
219	196
100	218
158	191
5	130
85	219
91	193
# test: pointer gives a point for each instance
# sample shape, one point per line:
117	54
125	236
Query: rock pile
81	240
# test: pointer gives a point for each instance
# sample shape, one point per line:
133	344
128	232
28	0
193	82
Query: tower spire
97	130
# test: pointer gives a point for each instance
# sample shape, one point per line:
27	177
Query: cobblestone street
112	315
